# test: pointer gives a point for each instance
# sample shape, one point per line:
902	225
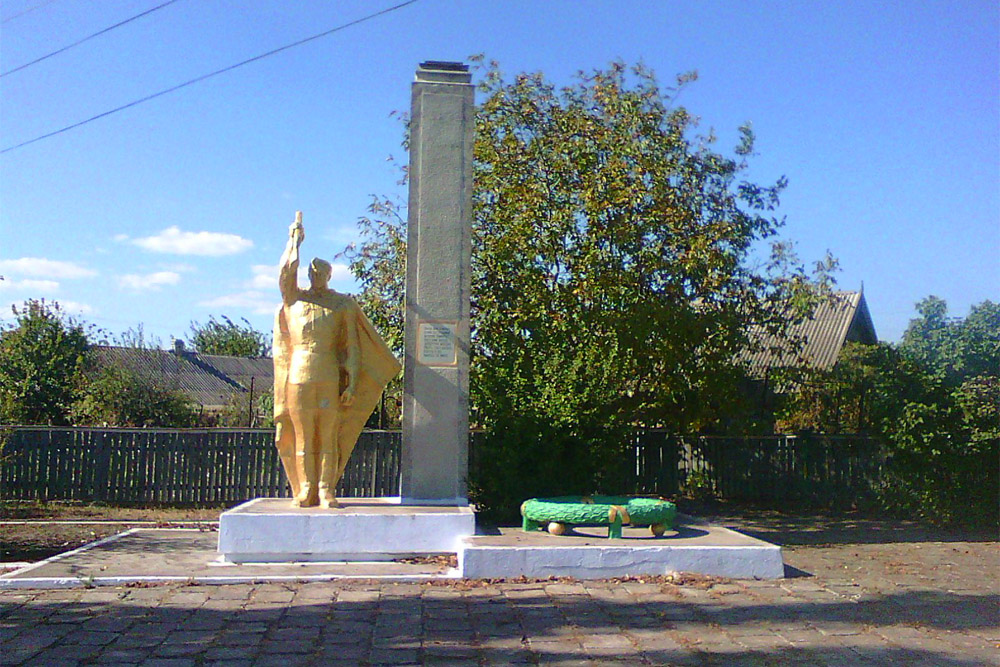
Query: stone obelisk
439	245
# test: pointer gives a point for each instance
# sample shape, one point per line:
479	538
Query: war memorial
330	369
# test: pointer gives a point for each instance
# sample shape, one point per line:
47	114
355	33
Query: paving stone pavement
907	603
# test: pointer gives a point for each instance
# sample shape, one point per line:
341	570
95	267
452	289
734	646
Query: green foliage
226	337
698	485
115	395
528	456
41	362
610	281
954	349
239	413
611	287
379	264
864	393
934	400
136	337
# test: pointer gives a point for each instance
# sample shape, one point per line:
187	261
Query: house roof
208	379
242	370
843	317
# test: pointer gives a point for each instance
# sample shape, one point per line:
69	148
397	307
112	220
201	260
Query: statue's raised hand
296	231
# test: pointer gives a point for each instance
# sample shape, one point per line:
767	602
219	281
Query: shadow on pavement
302	623
814	528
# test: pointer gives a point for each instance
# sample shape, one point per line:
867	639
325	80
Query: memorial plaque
438	345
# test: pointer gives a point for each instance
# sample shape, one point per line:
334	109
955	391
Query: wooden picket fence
182	466
222	466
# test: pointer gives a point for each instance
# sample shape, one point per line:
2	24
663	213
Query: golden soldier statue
330	367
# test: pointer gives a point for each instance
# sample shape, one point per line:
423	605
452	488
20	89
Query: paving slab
162	555
920	600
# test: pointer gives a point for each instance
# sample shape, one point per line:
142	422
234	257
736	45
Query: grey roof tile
210	380
841	318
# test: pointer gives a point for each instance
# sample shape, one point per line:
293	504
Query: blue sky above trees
884	121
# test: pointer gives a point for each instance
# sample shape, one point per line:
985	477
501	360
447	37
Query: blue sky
883	116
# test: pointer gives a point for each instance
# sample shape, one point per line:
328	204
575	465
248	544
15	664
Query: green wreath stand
564	512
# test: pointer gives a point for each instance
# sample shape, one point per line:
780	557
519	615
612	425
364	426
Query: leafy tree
933	400
41	361
610	273
379	264
864	393
116	395
226	337
954	348
137	338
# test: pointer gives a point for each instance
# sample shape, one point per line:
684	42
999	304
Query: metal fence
172	465
233	465
821	469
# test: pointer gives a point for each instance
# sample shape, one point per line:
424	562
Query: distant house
817	341
212	381
815	344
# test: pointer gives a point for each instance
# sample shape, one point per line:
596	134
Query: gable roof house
814	343
842	318
212	381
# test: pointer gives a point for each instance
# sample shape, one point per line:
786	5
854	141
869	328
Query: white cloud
179	268
30	285
258	302
213	244
75	307
265	276
45	268
149	281
341	272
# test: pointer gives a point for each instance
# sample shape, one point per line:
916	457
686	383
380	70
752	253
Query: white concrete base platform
270	530
588	554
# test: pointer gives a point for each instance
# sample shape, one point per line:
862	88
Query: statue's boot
327	498
308	493
328	482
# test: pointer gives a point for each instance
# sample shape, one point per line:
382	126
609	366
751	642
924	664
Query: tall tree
226	337
954	348
933	401
611	285
42	357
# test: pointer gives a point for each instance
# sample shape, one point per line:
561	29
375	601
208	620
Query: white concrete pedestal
588	554
270	530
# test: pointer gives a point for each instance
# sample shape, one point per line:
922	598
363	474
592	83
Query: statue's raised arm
288	281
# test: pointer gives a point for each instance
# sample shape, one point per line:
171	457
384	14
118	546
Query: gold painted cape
377	366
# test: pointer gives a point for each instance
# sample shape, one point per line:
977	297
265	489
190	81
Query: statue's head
319	272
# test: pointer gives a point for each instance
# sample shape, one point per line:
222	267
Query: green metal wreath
562	513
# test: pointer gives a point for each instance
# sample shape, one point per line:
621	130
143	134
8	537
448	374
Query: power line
210	75
25	11
89	37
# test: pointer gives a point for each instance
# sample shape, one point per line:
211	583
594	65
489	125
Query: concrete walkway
913	601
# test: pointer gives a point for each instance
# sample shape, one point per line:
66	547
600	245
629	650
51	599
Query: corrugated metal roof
209	380
841	318
242	369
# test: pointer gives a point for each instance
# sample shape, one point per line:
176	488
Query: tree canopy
933	401
229	338
611	281
116	395
42	358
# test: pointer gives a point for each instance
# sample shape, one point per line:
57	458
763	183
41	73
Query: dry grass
36	539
